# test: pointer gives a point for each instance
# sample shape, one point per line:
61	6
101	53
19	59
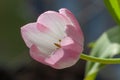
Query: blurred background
15	62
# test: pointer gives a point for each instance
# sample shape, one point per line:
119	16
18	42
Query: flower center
57	44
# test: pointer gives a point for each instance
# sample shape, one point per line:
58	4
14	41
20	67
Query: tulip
55	39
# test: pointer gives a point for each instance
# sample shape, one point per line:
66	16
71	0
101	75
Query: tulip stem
100	60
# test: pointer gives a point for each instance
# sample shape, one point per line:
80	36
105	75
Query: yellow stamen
57	45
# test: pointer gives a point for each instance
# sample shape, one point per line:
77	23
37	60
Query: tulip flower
55	39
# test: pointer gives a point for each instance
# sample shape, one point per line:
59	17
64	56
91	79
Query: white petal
43	40
54	21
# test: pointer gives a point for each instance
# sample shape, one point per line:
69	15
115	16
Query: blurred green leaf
114	8
91	44
13	52
107	46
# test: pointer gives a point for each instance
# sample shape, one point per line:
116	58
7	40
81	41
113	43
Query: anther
59	40
57	45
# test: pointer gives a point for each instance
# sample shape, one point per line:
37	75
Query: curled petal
76	31
61	58
68	60
53	21
42	28
75	34
55	57
65	12
24	30
67	41
34	34
35	53
69	44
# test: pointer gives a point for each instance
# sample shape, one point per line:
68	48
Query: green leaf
114	8
107	46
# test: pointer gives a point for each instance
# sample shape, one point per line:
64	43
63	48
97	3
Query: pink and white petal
36	54
24	31
66	41
75	34
68	59
71	18
53	21
32	34
55	57
66	56
42	28
69	43
59	60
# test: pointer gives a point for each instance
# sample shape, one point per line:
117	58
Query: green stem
100	60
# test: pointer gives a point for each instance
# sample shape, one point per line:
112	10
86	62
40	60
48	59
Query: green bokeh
12	48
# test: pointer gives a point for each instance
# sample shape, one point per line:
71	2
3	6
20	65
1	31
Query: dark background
15	62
